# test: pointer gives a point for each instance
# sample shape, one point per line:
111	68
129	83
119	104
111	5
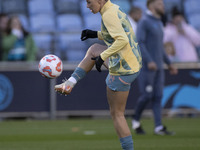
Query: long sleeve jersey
150	39
123	50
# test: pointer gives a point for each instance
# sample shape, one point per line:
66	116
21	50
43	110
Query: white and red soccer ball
50	66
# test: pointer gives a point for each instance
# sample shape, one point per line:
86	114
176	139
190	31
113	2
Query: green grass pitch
94	134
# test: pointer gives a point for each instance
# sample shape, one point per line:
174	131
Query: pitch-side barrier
24	93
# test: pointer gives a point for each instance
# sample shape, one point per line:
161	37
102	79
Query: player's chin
94	12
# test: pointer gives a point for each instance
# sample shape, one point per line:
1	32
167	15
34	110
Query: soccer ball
50	66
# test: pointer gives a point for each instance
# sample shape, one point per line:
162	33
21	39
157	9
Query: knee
92	50
116	114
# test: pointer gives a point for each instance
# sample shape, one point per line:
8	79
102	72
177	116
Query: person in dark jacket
151	79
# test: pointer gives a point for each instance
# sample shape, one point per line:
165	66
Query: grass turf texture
97	134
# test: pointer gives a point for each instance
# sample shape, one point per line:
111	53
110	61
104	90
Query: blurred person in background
122	57
170	51
182	37
17	44
3	26
151	79
134	16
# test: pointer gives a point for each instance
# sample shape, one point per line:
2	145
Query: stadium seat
70	41
69	23
191	6
40	6
91	41
194	20
141	4
42	23
0	6
124	5
75	55
92	21
24	21
44	42
71	46
84	9
67	6
9	6
170	4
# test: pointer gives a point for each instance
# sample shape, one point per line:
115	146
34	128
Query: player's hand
88	34
152	66
98	62
172	69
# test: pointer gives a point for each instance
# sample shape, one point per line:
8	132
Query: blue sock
78	74
127	143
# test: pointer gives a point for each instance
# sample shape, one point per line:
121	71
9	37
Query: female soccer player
122	57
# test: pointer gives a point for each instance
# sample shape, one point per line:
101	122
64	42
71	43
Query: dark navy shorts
120	83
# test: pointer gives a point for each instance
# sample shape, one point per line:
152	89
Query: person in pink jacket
182	38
